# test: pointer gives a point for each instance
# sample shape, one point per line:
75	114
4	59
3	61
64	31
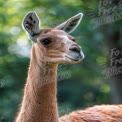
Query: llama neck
39	101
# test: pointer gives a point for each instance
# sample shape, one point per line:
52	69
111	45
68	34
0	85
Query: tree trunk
116	54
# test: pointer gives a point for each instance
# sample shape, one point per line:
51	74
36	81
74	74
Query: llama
49	48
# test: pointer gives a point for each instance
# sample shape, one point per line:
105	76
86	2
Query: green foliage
86	85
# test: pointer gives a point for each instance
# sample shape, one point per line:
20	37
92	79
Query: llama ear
71	24
31	25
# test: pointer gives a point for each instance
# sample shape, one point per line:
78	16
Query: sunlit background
80	85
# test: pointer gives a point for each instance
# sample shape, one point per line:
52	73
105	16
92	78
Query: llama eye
45	41
73	40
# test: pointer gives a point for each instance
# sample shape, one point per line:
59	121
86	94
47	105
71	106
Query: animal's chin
64	59
72	59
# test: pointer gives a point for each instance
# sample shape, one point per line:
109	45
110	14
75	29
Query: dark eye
74	40
45	41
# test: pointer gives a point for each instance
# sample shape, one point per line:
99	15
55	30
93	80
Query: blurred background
95	80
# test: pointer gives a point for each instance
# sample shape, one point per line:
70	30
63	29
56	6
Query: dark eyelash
74	40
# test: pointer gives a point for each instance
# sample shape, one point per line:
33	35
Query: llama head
54	45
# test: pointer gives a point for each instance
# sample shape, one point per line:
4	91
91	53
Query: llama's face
54	45
58	46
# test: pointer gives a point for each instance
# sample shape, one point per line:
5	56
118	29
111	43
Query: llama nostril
75	49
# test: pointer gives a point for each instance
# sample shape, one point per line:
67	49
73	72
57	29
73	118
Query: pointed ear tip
31	12
80	14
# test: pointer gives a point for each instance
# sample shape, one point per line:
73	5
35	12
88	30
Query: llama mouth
73	59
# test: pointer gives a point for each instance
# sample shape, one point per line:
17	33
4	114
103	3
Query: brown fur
102	113
39	103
